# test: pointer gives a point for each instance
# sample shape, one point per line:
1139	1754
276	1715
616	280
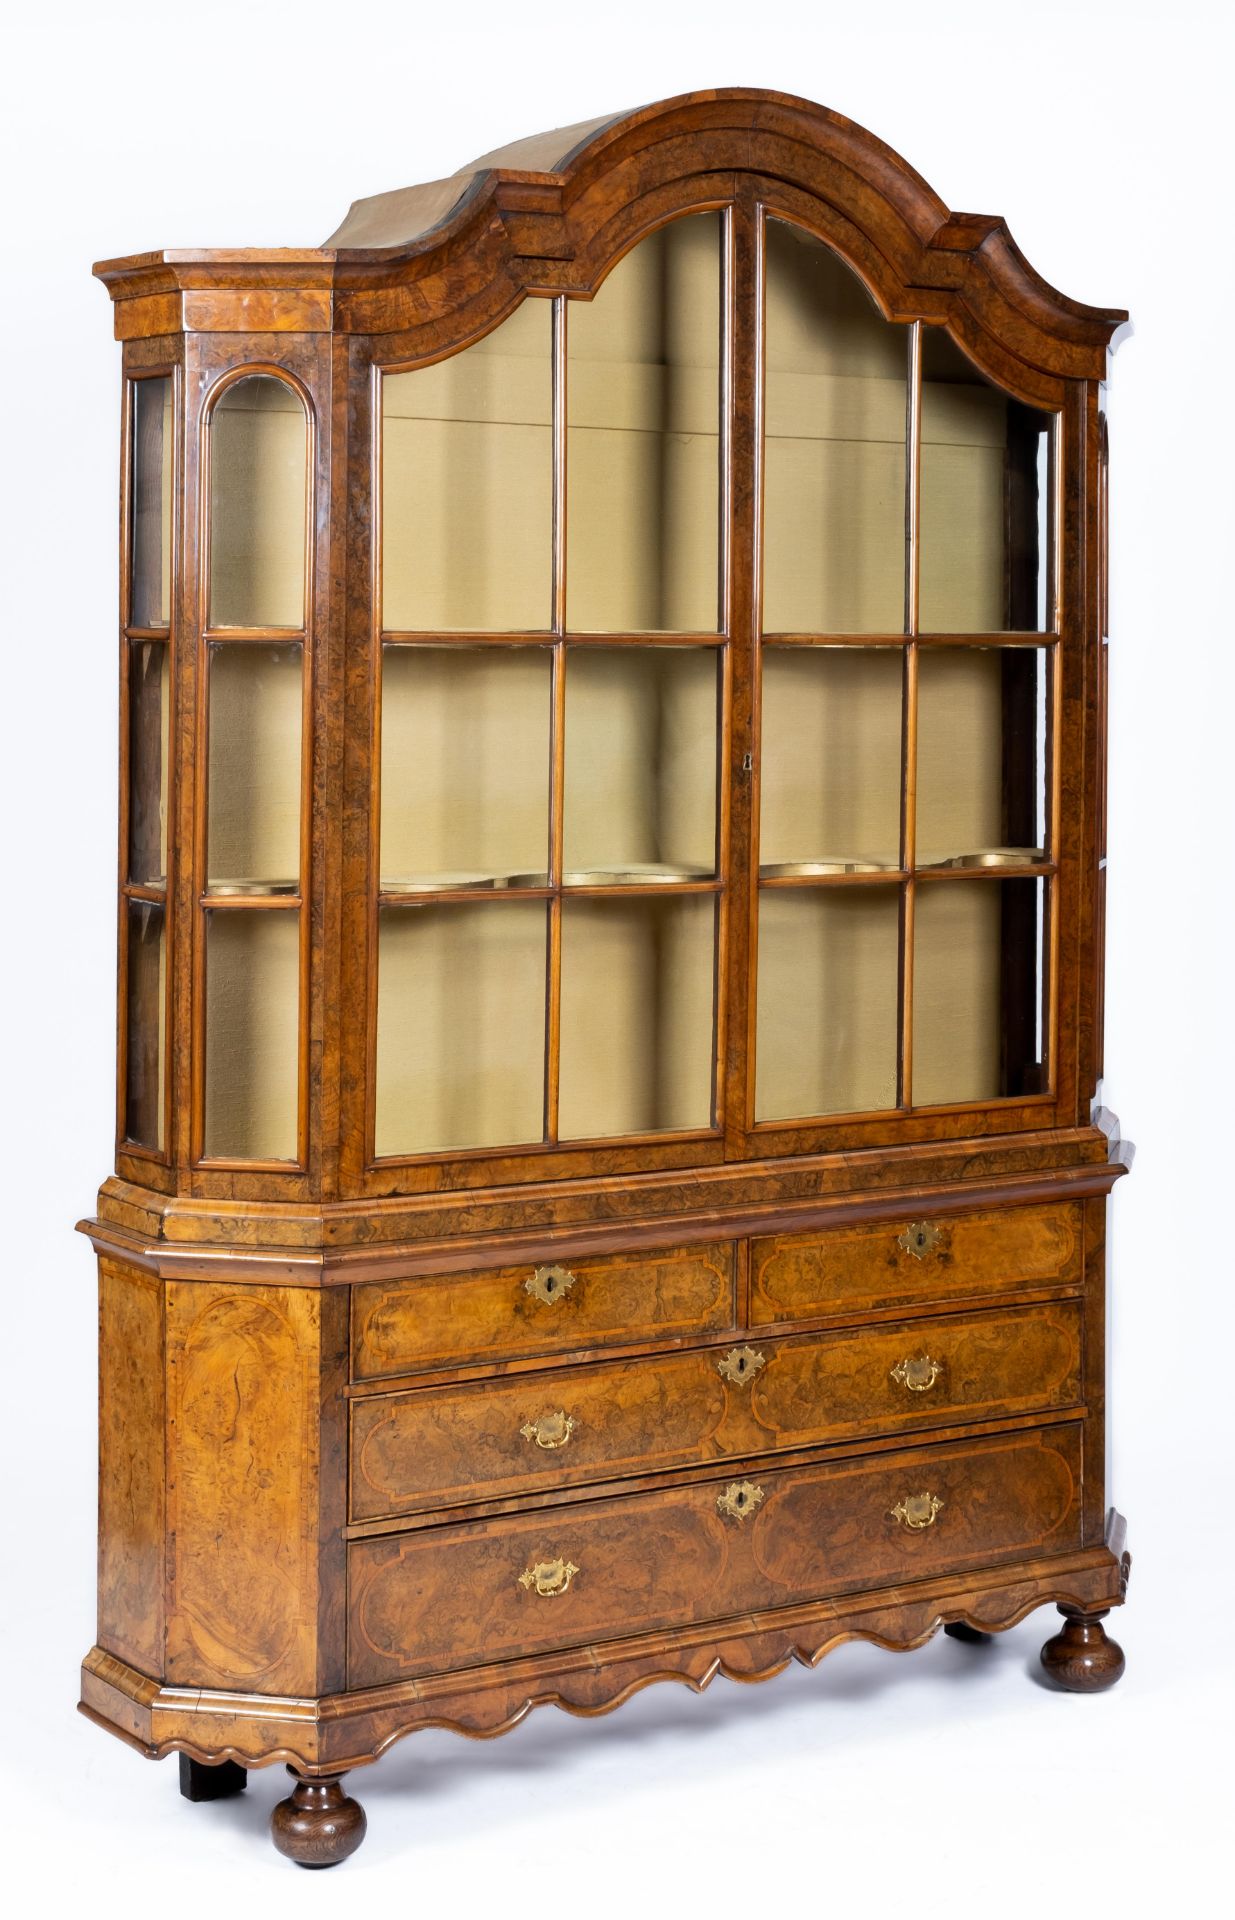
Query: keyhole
921	1243
550	1283
741	1499
742	1364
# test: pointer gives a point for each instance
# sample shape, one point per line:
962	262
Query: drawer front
484	1591
442	1321
439	1446
907	1263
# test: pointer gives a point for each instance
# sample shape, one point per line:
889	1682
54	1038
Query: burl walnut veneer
608	1183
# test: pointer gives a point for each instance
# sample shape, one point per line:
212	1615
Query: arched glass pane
467	485
987	542
834	446
258	454
643	438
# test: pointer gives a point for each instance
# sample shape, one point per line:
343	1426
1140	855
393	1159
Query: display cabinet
608	1184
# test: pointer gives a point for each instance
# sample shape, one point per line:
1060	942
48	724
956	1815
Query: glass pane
827	1001
252	1034
467	484
465	765
981	755
637	1016
254	790
987	548
151	596
643	439
258	454
149	724
830	779
146	1024
834	447
641	749
460	1027
978	990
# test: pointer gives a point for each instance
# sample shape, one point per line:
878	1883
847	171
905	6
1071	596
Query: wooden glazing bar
1027	638
251	902
492	896
147	633
545	637
253	636
557	737
144	890
909	714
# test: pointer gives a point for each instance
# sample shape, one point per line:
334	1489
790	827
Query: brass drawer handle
551	1430
549	1577
550	1284
920	1238
919	1375
739	1499
917	1510
740	1365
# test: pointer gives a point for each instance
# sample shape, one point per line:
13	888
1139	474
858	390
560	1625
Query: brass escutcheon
551	1430
918	1375
920	1238
550	1284
739	1365
917	1510
739	1499
549	1577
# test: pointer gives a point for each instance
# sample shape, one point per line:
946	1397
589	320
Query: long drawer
508	1313
924	1262
491	1590
442	1446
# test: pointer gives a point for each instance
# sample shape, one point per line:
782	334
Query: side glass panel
827	1000
467	485
641	752
979	1025
152	487
465	766
460	1026
988	563
145	1023
643	438
252	1026
253	822
637	1019
830	790
258	489
834	446
149	747
981	795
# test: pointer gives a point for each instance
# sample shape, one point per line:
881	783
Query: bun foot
201	1781
961	1630
1079	1657
318	1824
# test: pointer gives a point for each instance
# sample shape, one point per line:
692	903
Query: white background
943	1782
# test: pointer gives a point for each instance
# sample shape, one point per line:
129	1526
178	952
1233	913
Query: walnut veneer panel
131	1502
418	1324
862	1269
454	1595
413	1451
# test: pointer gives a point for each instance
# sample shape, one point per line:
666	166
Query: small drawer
484	1591
446	1446
914	1262
411	1326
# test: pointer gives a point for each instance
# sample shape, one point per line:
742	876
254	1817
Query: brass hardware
917	1510
549	1577
550	1283
551	1430
740	1365
739	1499
918	1375
920	1238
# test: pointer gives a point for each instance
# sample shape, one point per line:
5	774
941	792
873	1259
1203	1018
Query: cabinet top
550	213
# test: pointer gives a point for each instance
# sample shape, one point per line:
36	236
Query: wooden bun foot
961	1630
1080	1657
200	1781
318	1824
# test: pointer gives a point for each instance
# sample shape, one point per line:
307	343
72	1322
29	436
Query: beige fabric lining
830	785
254	787
956	960
258	450
252	1003
826	1001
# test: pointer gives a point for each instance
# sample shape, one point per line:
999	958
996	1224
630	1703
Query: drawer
484	1591
918	1262
441	1446
410	1326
